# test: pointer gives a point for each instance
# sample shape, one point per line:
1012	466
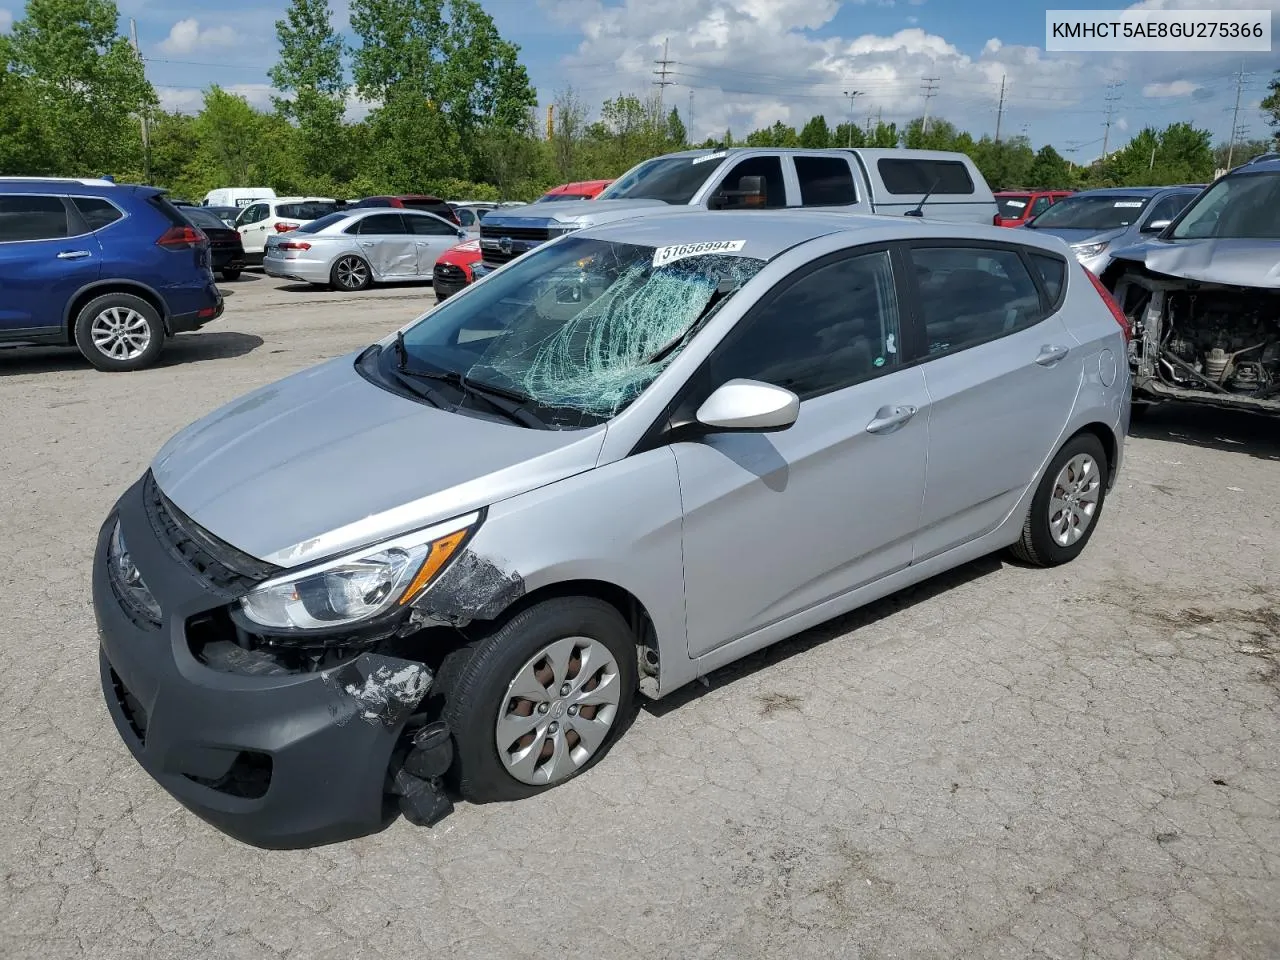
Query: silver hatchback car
619	462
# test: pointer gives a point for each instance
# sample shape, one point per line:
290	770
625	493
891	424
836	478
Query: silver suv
637	454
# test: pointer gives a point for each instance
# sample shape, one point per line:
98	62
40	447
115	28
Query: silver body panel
729	542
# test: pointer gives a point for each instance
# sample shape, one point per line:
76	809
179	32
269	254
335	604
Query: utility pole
689	126
662	72
551	120
852	95
1235	115
868	125
930	87
1152	164
1000	109
1110	99
146	125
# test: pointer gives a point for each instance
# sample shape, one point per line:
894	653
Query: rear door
386	243
829	181
1002	371
432	237
47	254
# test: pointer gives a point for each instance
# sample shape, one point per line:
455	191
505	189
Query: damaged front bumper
273	757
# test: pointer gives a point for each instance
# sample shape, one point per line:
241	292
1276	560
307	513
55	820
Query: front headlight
560	229
1085	250
127	580
358	587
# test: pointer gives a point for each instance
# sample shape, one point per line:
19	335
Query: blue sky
747	63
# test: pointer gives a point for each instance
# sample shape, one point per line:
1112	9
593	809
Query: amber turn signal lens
441	551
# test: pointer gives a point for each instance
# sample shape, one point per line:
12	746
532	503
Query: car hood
570	211
1244	263
324	461
1081	236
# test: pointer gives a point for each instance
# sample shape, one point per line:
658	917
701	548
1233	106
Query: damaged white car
1204	298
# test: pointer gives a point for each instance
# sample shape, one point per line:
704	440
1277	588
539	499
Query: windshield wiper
506	402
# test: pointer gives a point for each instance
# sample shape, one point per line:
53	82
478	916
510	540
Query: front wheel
539	699
1066	505
350	273
231	275
119	332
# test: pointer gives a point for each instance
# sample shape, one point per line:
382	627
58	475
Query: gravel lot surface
1003	762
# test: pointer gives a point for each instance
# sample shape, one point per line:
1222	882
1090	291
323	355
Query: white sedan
352	249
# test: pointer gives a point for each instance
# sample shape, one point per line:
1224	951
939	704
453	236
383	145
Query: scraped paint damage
472	588
378	689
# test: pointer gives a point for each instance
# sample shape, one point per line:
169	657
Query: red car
583	190
453	269
410	202
1018	206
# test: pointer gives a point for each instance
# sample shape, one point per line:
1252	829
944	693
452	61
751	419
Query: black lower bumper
283	760
446	288
187	322
228	260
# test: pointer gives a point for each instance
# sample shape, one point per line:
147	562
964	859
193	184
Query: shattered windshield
669	179
1242	206
578	329
1090	213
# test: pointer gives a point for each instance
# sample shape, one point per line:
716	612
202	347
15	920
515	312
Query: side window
97	213
972	294
917	175
1040	206
32	218
252	214
825	181
828	329
1053	273
466	217
425	226
382	224
770	168
1169	207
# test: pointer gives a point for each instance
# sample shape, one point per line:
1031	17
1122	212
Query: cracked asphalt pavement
1003	762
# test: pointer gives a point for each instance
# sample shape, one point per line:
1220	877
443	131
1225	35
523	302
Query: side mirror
462	234
1155	226
749	406
750	193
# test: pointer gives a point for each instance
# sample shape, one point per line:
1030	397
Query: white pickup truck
854	180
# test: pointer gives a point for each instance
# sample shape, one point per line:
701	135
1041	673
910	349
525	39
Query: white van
236	196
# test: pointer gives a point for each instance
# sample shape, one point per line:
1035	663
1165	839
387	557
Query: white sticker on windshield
1015	203
1128	203
709	156
664	255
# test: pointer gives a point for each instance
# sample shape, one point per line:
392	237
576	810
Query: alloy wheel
120	333
1074	502
352	273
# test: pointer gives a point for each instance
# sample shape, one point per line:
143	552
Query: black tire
350	274
473	683
128	306
1036	546
231	275
1138	410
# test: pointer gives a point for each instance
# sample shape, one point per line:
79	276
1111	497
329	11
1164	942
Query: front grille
540	234
448	273
218	563
134	712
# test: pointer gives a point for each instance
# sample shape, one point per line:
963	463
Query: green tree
310	70
22	146
1225	155
86	87
1271	104
629	130
778	135
677	136
816	134
884	135
848	135
567	127
1177	154
1006	164
939	135
1049	169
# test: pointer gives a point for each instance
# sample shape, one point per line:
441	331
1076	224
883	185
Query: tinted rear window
914	175
170	212
825	181
203	219
315	226
310	210
1012	208
32	218
1053	271
97	213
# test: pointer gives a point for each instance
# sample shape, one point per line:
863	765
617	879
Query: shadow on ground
187	348
1233	431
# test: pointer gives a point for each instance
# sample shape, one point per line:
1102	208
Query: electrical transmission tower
930	88
663	71
1111	99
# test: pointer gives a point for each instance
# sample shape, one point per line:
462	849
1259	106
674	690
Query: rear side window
430	226
97	213
380	224
1040	206
825	181
32	218
969	295
1053	273
309	210
315	226
912	175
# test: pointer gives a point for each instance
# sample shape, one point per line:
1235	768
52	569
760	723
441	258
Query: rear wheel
1066	505
119	332
231	274
539	699
350	273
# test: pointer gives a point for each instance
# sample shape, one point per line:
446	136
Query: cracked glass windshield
569	335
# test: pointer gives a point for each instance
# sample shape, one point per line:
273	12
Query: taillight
1114	307
182	238
286	227
995	221
293	245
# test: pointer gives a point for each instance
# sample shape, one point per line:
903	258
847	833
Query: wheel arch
1110	443
100	288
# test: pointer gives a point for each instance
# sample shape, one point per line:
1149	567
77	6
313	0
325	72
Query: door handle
74	254
1050	355
888	419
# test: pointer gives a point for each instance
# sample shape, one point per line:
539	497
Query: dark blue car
113	270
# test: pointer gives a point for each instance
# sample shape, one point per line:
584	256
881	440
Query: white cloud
187	36
191	99
6	20
1174	88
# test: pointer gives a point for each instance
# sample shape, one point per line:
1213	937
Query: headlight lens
355	588
1085	250
126	578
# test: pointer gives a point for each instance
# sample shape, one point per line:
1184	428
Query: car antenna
919	209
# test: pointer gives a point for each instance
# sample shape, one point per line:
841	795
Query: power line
930	86
1111	98
1235	115
662	73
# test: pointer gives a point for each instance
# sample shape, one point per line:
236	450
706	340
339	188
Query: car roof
767	233
1027	191
1271	164
72	187
1125	191
296	200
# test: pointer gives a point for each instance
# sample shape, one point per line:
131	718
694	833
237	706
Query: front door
777	523
388	245
1003	376
41	267
253	226
432	237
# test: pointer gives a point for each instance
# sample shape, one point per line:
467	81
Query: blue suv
113	270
